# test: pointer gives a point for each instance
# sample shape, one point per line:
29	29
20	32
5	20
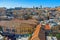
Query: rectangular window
13	30
8	30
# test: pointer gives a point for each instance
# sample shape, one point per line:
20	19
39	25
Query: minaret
41	6
33	7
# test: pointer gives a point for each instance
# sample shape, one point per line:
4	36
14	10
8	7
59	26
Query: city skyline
29	3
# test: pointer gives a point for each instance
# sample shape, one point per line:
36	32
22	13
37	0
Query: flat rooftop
17	22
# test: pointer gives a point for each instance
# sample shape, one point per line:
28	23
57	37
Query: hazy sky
29	3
